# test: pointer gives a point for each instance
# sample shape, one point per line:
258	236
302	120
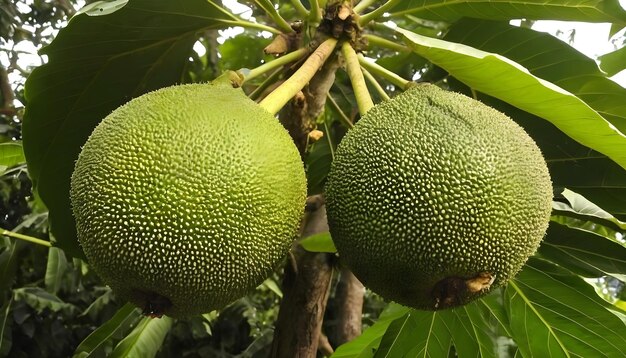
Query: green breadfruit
187	198
434	198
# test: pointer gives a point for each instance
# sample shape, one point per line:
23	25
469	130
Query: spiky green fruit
187	198
434	198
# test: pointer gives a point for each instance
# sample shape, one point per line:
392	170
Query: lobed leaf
547	304
583	252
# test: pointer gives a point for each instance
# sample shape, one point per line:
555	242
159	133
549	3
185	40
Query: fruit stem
269	9
362	5
363	98
365	19
251	25
268	66
31	239
283	93
377	86
382	42
265	84
297	4
342	116
379	70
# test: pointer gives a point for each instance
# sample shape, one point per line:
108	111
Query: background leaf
57	264
613	62
96	64
10	154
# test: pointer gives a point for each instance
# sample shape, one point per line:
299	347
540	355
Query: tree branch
349	298
305	293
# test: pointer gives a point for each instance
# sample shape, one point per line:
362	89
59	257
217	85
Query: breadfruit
434	198
186	198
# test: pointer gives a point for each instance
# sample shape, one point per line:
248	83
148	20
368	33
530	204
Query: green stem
251	25
281	95
362	5
379	70
297	4
342	116
382	42
362	94
330	141
268	7
25	238
316	12
377	86
268	66
378	12
268	81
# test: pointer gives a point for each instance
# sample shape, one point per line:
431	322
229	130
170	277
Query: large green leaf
418	334
583	252
553	313
517	86
145	340
121	323
96	64
550	59
123	320
471	328
576	10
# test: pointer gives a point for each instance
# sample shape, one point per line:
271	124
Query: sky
590	39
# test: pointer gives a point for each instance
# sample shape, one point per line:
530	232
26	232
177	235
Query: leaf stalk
379	70
280	61
363	98
30	239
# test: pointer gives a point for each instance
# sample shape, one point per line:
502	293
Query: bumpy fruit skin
434	198
187	198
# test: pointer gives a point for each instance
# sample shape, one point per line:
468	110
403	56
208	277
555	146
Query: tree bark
307	277
306	285
349	298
